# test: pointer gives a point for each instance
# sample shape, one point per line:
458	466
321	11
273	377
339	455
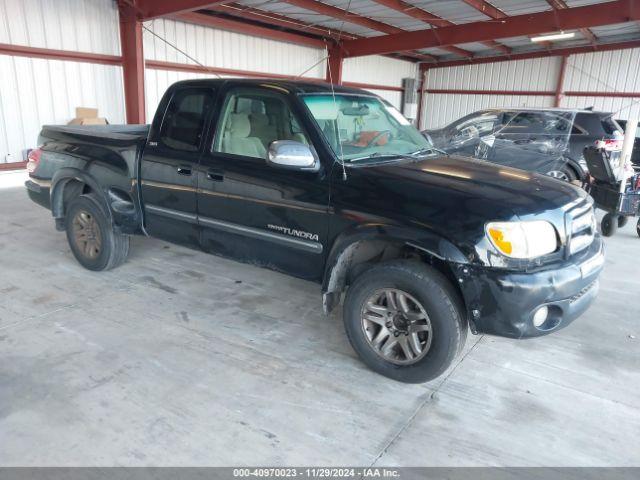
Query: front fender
346	245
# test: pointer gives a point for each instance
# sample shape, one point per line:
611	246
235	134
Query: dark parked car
546	140
635	157
334	186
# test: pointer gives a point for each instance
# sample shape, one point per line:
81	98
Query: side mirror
292	155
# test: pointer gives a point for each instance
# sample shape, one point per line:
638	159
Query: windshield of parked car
361	127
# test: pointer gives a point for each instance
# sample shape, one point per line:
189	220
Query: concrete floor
180	358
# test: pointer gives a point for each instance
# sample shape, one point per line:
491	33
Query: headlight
523	239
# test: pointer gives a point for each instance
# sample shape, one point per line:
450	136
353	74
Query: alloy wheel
86	234
396	326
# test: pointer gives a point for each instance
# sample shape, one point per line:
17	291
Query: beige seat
261	128
236	138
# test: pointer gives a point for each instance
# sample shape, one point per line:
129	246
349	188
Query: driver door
252	211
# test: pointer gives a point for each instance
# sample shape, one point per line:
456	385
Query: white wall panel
378	70
79	25
157	82
34	92
536	74
614	71
219	48
441	109
394	98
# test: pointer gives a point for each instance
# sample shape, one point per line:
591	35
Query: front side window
251	120
184	119
359	127
538	123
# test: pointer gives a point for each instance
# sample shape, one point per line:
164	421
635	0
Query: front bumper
503	303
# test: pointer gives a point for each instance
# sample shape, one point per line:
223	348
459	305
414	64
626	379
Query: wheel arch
118	204
354	250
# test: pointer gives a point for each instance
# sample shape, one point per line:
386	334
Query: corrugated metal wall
614	71
379	70
529	75
221	49
34	92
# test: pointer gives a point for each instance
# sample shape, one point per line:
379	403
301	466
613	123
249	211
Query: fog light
540	316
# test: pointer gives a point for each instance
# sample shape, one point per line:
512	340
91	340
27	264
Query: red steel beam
494	12
561	5
608	13
456	91
539	54
560	83
277	20
349	17
431	19
132	63
52	54
149	9
249	29
334	66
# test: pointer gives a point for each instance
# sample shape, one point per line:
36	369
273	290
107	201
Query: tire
622	221
425	290
566	174
106	249
609	225
638	227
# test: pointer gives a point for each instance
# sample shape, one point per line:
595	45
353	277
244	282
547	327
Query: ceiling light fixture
554	36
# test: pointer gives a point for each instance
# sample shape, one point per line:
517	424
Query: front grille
582	292
581	228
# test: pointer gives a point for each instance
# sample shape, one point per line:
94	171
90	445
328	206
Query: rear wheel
405	321
91	237
609	224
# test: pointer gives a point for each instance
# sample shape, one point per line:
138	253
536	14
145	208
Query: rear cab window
185	118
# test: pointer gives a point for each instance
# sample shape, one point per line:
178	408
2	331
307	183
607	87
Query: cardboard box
87	116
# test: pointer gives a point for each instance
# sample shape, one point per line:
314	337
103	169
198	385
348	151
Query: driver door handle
184	170
215	175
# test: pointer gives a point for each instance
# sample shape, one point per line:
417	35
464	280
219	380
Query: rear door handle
215	175
184	170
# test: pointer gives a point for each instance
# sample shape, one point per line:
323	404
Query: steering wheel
377	137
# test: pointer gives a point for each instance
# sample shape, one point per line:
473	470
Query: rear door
168	178
254	212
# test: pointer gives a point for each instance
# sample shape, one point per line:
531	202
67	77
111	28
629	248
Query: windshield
359	127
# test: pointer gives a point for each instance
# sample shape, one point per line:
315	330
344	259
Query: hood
457	195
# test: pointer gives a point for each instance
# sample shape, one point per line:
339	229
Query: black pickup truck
335	186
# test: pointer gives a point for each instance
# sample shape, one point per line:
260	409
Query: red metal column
424	68
560	84
334	66
132	63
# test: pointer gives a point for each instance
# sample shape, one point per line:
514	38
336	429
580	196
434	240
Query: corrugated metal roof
455	11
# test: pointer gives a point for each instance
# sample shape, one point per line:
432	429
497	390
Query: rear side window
184	119
609	125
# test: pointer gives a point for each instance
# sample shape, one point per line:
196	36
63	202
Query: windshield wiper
377	156
426	151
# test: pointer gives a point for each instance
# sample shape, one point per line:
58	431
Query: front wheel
638	227
609	225
565	174
91	236
405	321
